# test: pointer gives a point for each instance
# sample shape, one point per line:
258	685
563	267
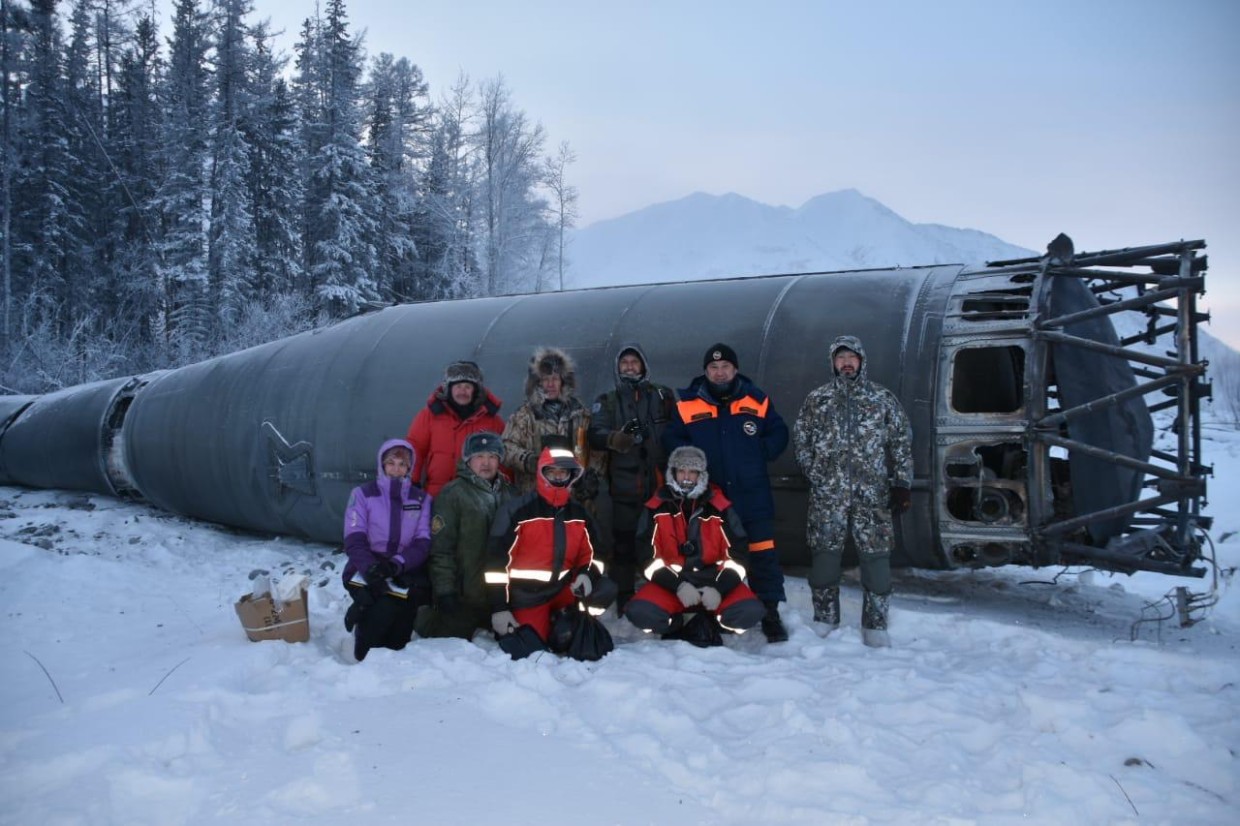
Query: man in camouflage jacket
551	409
854	445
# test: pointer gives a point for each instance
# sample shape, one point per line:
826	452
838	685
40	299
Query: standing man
854	445
459	406
627	424
551	409
461	524
734	423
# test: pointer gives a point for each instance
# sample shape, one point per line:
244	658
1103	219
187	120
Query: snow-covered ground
131	696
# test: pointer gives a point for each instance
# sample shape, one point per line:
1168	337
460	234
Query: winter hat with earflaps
462	371
484	441
688	457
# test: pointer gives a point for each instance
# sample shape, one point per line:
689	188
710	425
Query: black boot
827	605
772	625
874	619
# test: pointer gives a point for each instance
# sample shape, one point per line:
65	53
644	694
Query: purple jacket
387	519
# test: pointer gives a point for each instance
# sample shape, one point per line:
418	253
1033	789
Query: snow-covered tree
231	243
183	195
339	208
563	202
397	123
275	187
513	230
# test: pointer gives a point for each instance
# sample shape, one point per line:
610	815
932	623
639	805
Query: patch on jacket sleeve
437	524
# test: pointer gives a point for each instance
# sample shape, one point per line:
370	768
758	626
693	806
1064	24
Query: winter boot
772	625
827	606
874	620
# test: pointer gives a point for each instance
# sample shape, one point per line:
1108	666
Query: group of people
658	501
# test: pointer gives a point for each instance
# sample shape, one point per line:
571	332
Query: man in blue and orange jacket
736	426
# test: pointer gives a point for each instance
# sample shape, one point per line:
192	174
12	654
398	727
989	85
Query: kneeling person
387	538
689	531
540	557
464	511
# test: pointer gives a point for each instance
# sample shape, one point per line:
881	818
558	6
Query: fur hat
688	457
462	371
720	352
484	441
551	361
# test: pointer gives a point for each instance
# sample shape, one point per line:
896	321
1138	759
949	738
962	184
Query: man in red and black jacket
540	555
736	426
690	533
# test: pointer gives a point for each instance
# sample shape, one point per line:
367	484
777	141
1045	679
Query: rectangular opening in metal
988	379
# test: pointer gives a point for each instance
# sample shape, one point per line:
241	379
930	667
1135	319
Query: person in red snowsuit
691	536
540	555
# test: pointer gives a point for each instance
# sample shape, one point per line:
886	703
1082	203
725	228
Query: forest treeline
173	195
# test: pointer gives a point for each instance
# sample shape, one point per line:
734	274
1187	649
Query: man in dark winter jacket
627	425
694	548
736	426
854	445
540	554
464	511
387	539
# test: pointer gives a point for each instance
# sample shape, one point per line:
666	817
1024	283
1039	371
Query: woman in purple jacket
387	536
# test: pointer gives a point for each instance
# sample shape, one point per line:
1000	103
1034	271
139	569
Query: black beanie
720	352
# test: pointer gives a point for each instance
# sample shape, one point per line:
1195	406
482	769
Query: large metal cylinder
273	438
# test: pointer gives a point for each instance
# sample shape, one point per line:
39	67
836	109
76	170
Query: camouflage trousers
837	530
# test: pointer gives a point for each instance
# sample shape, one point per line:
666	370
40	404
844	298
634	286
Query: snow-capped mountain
712	236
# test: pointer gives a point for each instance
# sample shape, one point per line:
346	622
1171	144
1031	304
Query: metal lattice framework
1163	282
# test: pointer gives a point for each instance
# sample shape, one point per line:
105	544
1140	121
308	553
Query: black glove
531	463
900	500
587	486
637	429
448	603
408	579
376	576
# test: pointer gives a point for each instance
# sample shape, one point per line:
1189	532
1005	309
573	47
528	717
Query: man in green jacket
463	513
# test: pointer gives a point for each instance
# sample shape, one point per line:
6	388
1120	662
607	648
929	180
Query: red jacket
536	550
438	434
692	540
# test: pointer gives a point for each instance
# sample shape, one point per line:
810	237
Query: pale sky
1106	119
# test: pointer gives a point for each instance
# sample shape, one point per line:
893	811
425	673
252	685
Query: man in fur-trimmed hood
551	407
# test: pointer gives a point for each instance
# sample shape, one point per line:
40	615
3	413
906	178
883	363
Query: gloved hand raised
582	586
503	622
711	598
899	500
688	595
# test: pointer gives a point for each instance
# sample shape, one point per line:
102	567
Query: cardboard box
264	619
